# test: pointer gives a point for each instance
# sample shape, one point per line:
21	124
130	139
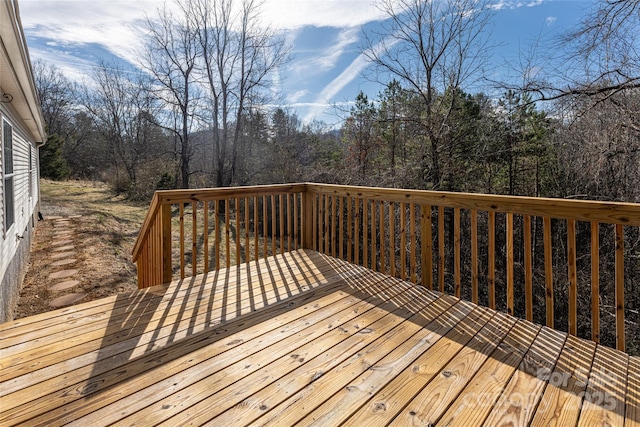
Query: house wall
15	242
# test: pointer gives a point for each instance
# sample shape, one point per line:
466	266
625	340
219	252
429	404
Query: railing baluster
374	236
456	250
510	263
333	226
237	216
383	248
548	269
341	223
227	230
314	204
619	260
264	227
349	232
296	229
205	226
573	277
474	256
441	253
491	226
403	241
392	238
194	238
289	197
413	243
426	243
528	268
247	246
274	220
326	224
356	232
595	281
256	244
281	226
365	232
182	274
216	218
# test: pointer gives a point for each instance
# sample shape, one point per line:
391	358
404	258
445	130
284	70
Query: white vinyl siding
25	199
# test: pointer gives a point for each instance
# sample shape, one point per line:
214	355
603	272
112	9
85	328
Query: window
7	154
30	171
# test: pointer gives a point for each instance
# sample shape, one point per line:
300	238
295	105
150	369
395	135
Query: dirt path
82	250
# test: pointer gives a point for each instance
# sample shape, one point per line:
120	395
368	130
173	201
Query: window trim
8	177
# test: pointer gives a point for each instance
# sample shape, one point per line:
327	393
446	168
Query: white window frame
8	193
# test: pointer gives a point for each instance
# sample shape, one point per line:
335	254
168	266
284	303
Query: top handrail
580	210
169	197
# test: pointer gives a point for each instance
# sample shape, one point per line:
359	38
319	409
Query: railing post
165	218
307	220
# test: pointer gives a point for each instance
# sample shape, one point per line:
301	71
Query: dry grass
104	236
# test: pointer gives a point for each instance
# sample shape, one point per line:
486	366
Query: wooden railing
187	232
557	262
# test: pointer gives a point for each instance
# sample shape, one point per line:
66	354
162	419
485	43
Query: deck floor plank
632	415
434	399
473	405
304	338
144	303
164	360
241	362
604	400
562	399
152	329
408	333
156	337
381	408
257	404
215	401
392	359
522	394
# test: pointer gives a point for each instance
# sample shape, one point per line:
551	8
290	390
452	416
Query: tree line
194	113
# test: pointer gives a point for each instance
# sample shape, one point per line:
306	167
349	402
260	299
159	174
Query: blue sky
326	36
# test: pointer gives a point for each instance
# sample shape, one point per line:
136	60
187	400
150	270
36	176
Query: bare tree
171	56
431	47
598	58
238	57
57	96
121	104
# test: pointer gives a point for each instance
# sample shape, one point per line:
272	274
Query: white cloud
291	14
331	90
327	58
511	4
116	25
550	20
297	95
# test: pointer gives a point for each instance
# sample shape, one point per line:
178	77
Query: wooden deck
304	338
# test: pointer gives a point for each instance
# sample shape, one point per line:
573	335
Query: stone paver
64	285
62	274
63	262
59	255
66	299
62	253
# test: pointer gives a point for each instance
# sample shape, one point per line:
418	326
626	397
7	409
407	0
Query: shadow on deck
303	337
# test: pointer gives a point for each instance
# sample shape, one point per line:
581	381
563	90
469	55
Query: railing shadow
157	327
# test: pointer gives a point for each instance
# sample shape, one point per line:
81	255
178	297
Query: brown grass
104	236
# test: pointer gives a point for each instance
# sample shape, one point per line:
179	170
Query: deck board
303	338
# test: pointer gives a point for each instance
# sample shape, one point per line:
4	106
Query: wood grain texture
301	337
